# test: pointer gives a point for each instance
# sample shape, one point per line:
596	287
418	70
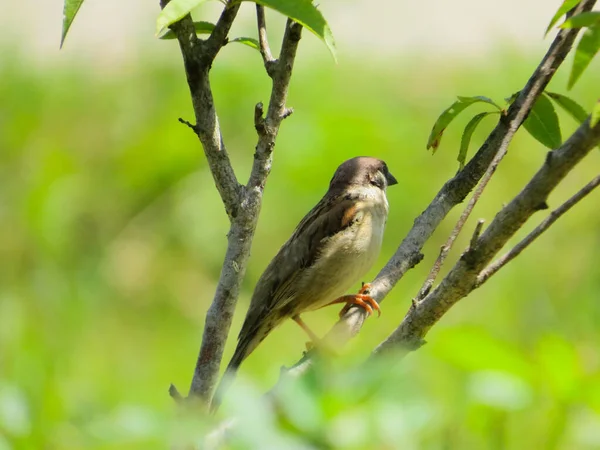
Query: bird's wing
276	288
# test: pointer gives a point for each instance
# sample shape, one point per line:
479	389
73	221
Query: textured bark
242	203
493	268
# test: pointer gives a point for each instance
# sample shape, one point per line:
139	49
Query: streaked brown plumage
333	247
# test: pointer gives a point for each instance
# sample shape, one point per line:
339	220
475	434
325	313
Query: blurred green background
112	235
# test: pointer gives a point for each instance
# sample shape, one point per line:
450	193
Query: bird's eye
378	179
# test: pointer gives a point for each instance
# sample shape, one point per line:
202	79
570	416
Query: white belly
349	257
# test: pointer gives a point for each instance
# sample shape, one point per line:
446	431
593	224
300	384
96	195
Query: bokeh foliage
112	236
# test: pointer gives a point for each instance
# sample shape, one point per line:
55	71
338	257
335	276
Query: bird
332	247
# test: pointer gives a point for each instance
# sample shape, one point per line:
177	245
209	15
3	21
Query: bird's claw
361	299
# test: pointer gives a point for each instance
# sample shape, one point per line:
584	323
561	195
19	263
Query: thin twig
174	393
277	110
456	189
435	270
462	278
490	270
476	233
190	125
263	41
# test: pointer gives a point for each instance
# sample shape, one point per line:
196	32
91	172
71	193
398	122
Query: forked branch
494	267
456	189
242	203
462	278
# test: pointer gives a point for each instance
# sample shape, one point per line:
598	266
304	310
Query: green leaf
569	105
69	12
466	137
174	11
448	116
542	123
201	28
250	42
585	19
586	49
307	15
575	109
595	114
509	101
566	6
479	98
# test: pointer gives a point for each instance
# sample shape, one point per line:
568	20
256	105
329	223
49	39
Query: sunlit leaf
542	123
566	6
585	19
70	10
306	14
201	28
466	137
570	106
586	49
247	41
573	108
479	98
595	114
175	10
449	115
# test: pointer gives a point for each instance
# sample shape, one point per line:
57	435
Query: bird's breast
348	255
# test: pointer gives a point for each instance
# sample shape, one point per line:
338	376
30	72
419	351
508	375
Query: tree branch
198	56
546	223
435	270
462	279
241	234
263	41
456	189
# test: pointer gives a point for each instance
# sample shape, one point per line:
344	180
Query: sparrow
333	246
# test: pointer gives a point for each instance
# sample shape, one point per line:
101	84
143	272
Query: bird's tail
243	349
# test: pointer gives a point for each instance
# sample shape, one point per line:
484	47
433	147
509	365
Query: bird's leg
311	334
360	299
315	342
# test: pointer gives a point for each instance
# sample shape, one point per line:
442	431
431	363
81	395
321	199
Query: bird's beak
391	180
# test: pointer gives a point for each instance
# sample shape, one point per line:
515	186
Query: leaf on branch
595	114
201	28
574	109
175	10
586	49
449	115
70	10
585	19
466	137
306	14
566	6
250	42
542	123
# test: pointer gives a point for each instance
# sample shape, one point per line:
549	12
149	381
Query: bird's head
362	171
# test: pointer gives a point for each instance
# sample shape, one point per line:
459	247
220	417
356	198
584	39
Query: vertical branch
198	56
263	41
242	203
